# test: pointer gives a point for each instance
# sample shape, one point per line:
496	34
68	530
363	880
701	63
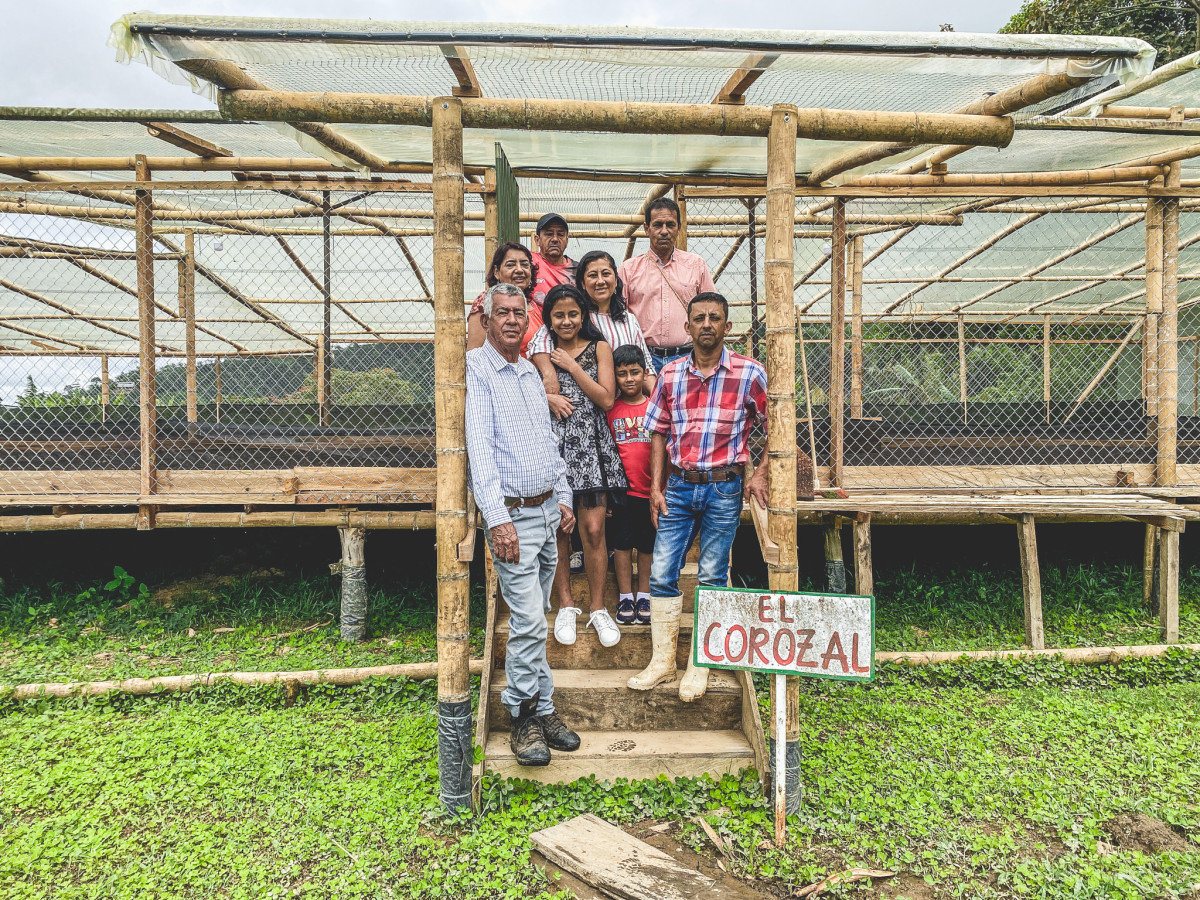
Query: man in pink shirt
554	267
660	283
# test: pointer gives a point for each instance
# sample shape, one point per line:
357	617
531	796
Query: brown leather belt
708	476
511	503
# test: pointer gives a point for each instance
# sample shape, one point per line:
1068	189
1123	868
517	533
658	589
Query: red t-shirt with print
549	276
627	421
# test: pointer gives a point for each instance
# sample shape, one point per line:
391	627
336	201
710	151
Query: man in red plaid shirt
699	415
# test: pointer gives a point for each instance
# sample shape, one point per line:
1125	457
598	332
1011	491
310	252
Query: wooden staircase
624	733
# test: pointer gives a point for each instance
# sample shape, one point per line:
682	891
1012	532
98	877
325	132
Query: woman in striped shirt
596	276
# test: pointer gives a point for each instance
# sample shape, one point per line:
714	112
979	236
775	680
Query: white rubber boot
694	683
664	631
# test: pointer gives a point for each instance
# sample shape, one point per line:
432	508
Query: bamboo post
962	366
491	218
217	378
856	327
835	565
1046	365
455	747
1154	285
752	238
353	569
1150	566
104	388
864	573
187	304
147	410
778	271
1167	382
324	346
1031	583
682	236
837	341
1168	585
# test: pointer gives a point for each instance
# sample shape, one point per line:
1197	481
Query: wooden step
610	755
582	594
633	651
600	700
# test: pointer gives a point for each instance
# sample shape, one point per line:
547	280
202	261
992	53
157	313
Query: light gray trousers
526	588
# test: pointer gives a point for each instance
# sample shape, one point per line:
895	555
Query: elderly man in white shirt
520	486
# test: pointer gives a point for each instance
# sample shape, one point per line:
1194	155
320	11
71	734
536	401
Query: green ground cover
996	779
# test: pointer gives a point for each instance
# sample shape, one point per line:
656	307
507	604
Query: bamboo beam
1113	125
856	329
95	322
1015	179
105	395
11	164
837	350
218	397
681	239
324	352
1154	292
733	92
1167	430
1031	582
453	639
187	304
617	117
459	61
730	254
751	235
1149	112
1028	93
147	409
778	271
226	75
177	137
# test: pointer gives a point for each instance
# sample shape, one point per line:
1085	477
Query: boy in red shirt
630	527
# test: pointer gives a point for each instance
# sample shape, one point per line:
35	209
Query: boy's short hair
629	355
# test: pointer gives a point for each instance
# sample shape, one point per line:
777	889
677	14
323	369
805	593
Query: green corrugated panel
508	201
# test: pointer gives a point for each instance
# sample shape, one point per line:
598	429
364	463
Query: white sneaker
606	629
564	625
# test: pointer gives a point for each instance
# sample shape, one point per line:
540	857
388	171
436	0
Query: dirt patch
903	887
1135	831
208	587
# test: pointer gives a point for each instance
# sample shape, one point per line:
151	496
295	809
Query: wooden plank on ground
1031	583
607	858
1168	586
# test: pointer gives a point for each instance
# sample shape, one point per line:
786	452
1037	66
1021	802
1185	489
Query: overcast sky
55	52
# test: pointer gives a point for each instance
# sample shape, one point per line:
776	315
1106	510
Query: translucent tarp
846	70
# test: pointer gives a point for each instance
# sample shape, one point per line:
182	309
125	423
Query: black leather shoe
526	738
558	736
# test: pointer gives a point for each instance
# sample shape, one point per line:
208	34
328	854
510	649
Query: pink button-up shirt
658	294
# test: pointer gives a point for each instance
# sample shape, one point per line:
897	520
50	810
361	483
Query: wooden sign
789	633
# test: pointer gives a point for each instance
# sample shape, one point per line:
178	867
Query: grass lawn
996	779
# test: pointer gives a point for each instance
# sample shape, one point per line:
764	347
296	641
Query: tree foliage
1170	26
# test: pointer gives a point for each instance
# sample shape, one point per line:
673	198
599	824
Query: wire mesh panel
292	345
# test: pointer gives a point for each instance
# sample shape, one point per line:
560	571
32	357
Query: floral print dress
586	444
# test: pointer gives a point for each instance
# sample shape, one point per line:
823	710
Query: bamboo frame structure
837	356
148	412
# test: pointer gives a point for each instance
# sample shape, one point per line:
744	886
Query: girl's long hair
498	258
587	328
618	304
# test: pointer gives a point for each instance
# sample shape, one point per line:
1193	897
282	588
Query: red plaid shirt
707	420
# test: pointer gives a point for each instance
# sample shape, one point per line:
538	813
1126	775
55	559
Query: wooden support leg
1168	585
1150	566
354	582
1031	584
864	575
835	566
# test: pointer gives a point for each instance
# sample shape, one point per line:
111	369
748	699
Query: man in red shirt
554	267
699	416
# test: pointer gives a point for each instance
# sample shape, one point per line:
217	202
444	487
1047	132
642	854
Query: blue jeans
526	588
660	361
710	510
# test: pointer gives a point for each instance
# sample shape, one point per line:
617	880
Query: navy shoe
643	611
626	611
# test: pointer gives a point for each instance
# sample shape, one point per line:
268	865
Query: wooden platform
624	733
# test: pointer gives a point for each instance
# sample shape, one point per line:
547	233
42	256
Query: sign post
785	633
